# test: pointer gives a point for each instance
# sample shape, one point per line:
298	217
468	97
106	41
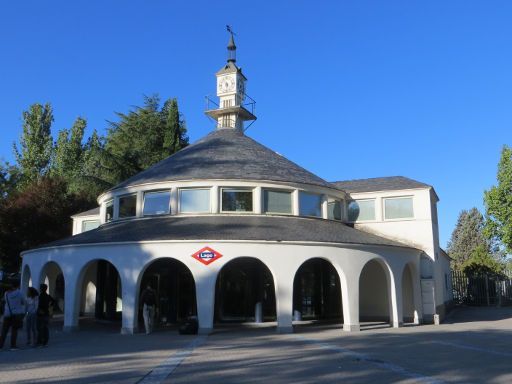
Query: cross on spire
231	45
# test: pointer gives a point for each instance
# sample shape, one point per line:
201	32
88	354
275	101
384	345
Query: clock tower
234	104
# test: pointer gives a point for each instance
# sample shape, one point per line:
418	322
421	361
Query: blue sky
347	89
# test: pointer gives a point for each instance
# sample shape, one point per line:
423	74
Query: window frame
320	215
195	189
333	200
358	220
236	189
119	206
410	197
89	221
153	191
290	192
109	203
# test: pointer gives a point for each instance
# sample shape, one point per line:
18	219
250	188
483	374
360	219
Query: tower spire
231	45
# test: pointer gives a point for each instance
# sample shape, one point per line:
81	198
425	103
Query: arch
52	275
317	292
99	292
375	292
245	292
408	306
175	290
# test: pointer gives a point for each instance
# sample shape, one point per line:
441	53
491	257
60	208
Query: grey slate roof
226	227
90	212
225	154
391	183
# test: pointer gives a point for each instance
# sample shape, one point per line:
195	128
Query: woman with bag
14	312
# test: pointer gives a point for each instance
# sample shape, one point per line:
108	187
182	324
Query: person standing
148	300
32	304
14	311
43	316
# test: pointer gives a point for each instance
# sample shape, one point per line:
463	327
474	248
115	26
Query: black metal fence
482	289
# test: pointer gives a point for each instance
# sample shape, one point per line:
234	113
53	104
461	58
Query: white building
229	230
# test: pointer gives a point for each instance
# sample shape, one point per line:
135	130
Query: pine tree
34	157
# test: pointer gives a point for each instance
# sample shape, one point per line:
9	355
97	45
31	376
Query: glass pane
195	200
334	210
156	203
236	200
277	201
398	208
90	224
310	204
109	211
127	206
361	210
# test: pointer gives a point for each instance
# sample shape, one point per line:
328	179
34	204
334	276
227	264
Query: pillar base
284	330
351	327
70	328
205	331
127	331
397	324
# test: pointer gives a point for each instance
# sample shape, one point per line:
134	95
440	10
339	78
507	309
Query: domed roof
226	154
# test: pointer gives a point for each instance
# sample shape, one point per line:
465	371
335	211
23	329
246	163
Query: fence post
487	290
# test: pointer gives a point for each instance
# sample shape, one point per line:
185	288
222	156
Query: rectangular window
109	210
361	210
310	204
398	208
127	206
334	209
87	225
277	201
194	200
157	203
236	200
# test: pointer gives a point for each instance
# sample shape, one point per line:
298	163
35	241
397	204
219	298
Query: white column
116	207
205	298
396	302
214	198
351	304
174	201
72	294
258	200
325	213
130	298
140	202
284	300
295	202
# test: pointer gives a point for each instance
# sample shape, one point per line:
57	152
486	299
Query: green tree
34	156
38	214
498	203
466	237
94	173
481	261
143	137
69	153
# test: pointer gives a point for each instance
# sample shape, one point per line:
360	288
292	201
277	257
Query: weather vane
230	30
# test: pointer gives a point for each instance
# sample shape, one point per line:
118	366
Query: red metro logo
206	255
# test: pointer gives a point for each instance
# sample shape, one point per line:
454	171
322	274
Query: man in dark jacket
43	316
148	301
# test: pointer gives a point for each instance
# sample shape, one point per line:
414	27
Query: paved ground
473	346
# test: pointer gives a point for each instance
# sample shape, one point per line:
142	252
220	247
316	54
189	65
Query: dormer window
398	208
195	200
236	200
361	210
127	206
109	210
310	204
157	203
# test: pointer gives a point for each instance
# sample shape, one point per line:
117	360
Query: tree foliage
35	155
466	237
143	137
498	203
481	261
38	214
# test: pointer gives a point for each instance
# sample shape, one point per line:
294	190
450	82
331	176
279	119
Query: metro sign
206	255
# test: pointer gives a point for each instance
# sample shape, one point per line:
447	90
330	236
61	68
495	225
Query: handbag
17	318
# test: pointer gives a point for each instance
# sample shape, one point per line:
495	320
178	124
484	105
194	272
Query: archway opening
408	295
101	293
52	276
245	292
374	295
317	292
175	292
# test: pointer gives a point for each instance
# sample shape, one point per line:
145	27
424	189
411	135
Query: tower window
157	203
194	200
277	201
109	210
360	210
127	206
236	200
310	204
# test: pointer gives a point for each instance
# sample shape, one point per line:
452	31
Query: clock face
226	84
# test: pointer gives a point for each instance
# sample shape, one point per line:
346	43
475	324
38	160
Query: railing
482	288
249	104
